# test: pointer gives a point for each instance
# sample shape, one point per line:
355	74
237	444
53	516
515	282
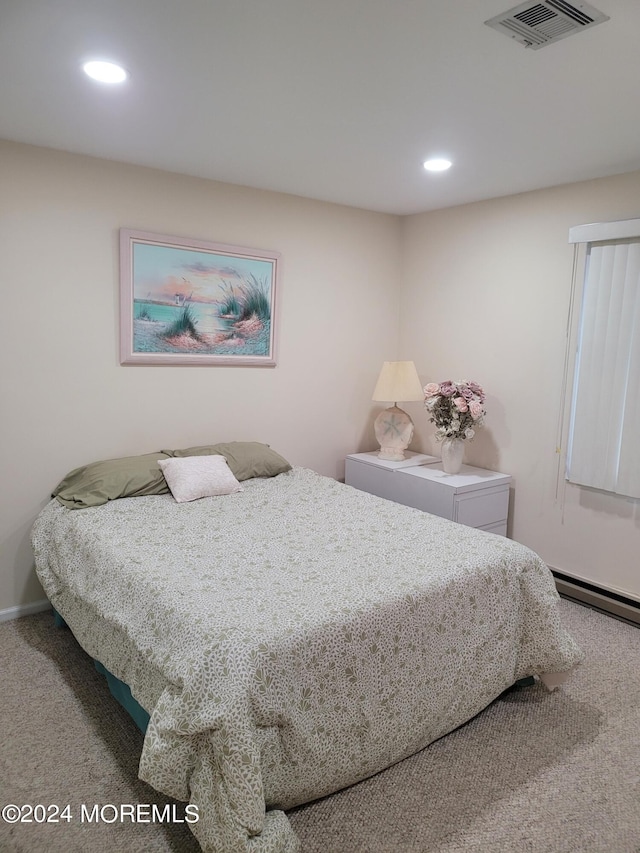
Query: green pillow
245	458
99	482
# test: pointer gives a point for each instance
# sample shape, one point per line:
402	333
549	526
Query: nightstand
475	497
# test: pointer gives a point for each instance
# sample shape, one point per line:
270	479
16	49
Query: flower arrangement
456	408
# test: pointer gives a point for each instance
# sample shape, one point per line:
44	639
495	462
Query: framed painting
191	302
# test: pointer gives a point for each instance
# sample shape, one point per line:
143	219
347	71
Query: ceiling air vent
537	24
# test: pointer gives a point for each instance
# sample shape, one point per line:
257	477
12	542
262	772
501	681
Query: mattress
294	638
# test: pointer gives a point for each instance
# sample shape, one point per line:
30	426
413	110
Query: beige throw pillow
193	477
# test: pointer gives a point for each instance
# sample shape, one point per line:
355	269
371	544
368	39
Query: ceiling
339	100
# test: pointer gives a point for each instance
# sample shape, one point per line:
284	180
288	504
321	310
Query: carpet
534	772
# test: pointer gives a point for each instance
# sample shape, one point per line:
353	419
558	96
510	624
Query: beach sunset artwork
191	302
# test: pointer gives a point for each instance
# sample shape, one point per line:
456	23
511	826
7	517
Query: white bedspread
294	638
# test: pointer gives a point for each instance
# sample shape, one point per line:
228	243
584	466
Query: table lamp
398	380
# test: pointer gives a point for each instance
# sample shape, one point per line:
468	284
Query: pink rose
431	389
466	392
461	404
475	407
447	389
477	389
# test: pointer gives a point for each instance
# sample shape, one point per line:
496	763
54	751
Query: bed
293	638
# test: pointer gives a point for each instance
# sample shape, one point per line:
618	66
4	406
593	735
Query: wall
66	400
486	296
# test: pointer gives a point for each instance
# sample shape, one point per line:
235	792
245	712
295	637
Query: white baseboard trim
24	610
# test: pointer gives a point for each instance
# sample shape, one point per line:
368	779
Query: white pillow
193	477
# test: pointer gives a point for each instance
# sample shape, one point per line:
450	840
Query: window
604	428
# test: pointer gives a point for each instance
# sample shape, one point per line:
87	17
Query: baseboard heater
609	602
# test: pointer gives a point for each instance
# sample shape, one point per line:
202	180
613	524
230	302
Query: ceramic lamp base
394	431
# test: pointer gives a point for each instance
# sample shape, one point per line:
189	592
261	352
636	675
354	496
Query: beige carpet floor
535	772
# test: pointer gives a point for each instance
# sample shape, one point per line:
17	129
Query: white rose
469	433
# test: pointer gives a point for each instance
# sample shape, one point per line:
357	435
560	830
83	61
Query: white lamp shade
398	381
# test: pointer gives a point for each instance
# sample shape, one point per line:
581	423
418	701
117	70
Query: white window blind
604	432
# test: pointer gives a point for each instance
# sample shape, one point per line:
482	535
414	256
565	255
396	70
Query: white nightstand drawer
381	482
478	510
366	471
500	528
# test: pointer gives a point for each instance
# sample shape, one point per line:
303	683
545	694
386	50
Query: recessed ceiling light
438	164
105	72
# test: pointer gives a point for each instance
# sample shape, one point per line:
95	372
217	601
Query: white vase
452	453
